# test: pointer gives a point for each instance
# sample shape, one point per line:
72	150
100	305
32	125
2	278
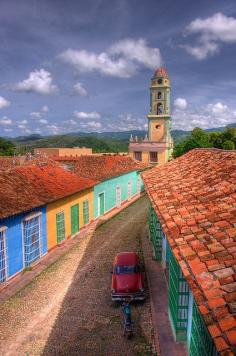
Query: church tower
157	147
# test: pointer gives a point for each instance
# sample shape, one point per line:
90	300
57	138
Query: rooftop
24	188
194	198
161	72
102	167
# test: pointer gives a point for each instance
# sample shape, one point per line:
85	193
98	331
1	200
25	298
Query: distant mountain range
100	142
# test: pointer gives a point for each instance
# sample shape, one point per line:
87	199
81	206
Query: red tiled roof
7	162
24	188
101	167
194	198
161	72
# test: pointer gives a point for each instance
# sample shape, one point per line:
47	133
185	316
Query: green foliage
7	148
202	139
228	145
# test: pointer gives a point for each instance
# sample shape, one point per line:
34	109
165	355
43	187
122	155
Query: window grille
178	299
156	234
60	222
3	256
86	212
32	239
153	157
138	156
201	342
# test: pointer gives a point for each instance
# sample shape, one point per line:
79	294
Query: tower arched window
159	95
159	81
159	109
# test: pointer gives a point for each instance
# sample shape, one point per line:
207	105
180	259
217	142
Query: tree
228	145
7	148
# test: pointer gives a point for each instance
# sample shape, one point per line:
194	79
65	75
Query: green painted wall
109	188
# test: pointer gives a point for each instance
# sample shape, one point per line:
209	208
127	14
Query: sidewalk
159	299
24	277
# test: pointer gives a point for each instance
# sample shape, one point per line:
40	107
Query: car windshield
126	269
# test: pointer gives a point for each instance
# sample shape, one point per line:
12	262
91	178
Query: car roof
126	258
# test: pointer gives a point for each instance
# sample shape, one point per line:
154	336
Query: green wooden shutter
156	233
178	300
60	222
201	342
86	212
101	203
74	213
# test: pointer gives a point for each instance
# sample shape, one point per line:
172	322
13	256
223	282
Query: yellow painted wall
61	152
65	204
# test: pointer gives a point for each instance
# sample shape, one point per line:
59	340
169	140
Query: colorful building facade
40	207
192	220
67	216
23	241
118	177
157	146
112	193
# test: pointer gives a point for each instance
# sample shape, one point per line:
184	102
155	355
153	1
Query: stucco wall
109	188
65	205
14	239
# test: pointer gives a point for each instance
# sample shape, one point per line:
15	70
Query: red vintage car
127	277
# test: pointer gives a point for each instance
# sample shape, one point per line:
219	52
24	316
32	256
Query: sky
73	65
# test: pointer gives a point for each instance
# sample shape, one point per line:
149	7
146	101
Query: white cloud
45	108
209	116
87	115
23	122
212	31
4	102
43	121
122	59
79	89
5	121
53	129
180	103
21	126
39	81
93	124
36	114
139	51
217	108
8	130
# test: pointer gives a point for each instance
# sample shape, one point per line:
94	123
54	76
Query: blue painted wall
14	239
109	188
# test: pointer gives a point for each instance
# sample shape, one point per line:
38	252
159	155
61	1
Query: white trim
5	269
129	191
24	220
32	215
23	242
3	228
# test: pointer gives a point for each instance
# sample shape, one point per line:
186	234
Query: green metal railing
178	300
201	342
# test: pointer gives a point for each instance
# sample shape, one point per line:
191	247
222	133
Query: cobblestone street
67	310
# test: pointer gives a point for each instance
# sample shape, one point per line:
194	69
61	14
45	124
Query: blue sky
70	66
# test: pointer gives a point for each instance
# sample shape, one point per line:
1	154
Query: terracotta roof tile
101	167
201	187
24	188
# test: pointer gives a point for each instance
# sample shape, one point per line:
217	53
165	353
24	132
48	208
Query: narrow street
67	309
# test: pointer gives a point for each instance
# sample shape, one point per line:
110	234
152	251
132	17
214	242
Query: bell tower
157	146
159	114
